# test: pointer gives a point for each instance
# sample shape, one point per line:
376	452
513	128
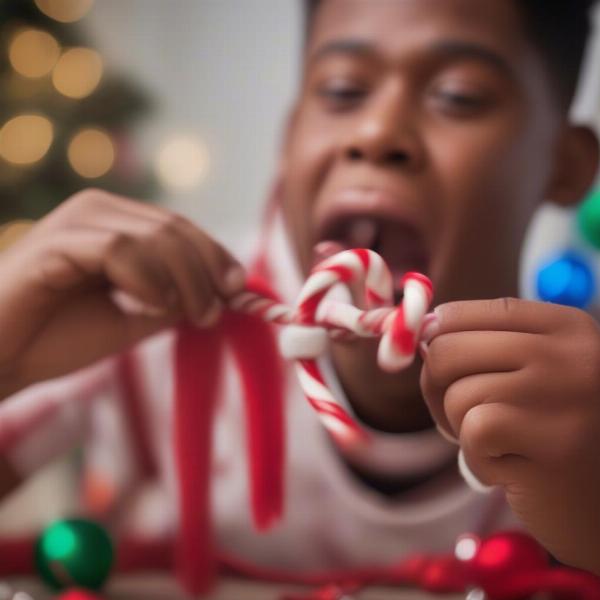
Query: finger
226	273
469	392
448	405
81	256
502	314
90	327
198	296
162	245
452	356
495	442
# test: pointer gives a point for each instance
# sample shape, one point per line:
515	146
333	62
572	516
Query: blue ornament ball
567	279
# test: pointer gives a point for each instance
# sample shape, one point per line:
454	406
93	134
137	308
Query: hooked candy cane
309	325
305	337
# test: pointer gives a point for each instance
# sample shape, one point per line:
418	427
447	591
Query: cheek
498	172
309	156
491	188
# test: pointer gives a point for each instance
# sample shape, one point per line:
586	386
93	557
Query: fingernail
447	436
210	317
131	305
235	279
430	329
423	349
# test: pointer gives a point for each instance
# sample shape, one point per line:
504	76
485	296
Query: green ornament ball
74	552
588	218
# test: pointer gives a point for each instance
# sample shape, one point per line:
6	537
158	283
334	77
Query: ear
576	166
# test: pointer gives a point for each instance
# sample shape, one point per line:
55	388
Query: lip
364	201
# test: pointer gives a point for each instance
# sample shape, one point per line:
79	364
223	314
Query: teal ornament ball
74	552
588	218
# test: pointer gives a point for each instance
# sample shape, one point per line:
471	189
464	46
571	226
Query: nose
386	132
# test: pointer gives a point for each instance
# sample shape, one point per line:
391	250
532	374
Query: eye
459	101
339	95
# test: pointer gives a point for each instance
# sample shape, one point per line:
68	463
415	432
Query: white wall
222	69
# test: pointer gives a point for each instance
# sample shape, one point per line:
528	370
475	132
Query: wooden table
159	587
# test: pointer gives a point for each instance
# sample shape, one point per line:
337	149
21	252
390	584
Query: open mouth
400	243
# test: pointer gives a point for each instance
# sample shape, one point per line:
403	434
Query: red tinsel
507	566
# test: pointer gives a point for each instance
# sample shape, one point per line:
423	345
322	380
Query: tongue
362	233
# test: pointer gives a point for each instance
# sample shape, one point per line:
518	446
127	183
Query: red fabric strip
261	370
198	363
135	414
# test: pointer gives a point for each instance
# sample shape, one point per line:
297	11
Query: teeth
362	233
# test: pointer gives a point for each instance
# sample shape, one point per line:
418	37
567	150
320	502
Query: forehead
394	27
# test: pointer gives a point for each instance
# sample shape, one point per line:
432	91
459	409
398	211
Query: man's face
425	130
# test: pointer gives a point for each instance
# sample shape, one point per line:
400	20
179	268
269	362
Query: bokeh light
33	53
182	163
77	72
10	233
91	153
65	11
466	547
25	139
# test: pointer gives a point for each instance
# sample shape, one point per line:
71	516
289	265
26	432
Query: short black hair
559	29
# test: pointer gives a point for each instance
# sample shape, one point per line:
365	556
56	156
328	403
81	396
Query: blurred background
176	101
179	102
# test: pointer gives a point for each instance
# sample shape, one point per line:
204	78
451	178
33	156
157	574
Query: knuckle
507	304
87	196
456	403
477	431
170	226
118	241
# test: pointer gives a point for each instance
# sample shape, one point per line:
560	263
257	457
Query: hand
518	383
60	284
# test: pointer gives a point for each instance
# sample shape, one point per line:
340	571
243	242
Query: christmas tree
65	119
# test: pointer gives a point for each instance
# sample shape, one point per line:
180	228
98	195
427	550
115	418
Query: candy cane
306	336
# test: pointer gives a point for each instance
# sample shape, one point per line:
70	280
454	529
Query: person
429	131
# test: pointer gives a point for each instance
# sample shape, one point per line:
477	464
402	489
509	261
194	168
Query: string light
182	163
65	11
33	53
77	72
91	153
25	139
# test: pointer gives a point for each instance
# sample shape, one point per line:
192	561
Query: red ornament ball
504	555
444	575
78	594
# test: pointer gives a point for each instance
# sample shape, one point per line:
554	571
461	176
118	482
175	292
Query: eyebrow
444	49
457	50
347	46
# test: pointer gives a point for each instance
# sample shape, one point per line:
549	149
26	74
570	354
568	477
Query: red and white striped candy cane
306	336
